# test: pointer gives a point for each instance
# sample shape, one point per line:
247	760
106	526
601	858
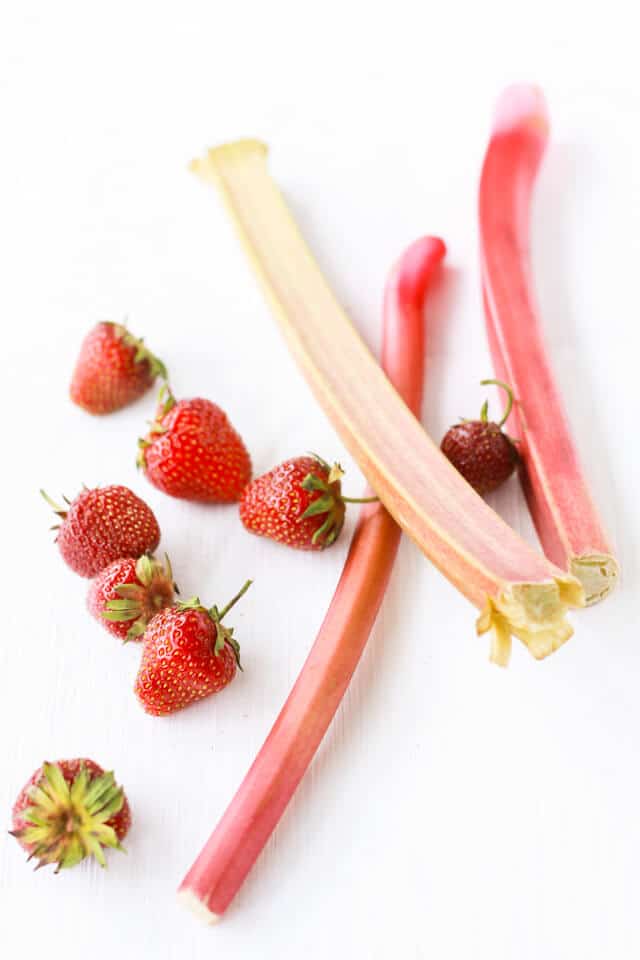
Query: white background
454	810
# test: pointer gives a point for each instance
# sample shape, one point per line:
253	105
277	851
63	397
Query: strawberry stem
360	499
219	614
509	406
224	635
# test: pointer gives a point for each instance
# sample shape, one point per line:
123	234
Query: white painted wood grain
454	810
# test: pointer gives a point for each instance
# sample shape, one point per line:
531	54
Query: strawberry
70	810
480	450
128	593
103	525
113	369
299	503
187	655
192	452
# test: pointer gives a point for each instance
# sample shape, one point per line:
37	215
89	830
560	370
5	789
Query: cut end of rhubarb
598	574
533	612
521	104
188	899
208	167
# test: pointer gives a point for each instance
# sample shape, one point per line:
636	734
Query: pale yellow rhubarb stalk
518	591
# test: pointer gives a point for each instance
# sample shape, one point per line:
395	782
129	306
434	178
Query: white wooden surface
454	810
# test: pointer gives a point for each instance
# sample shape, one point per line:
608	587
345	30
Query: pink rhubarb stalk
219	871
562	509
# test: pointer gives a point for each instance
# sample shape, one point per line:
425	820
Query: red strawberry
113	369
70	810
128	593
103	525
480	450
187	655
193	452
299	503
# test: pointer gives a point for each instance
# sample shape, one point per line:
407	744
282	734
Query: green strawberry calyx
166	402
330	501
142	353
67	822
138	603
224	634
57	508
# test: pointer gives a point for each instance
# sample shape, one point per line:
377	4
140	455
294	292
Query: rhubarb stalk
519	591
254	812
565	517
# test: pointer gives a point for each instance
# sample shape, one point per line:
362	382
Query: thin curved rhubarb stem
565	517
254	812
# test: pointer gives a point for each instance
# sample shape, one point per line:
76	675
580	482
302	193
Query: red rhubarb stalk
565	517
219	871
